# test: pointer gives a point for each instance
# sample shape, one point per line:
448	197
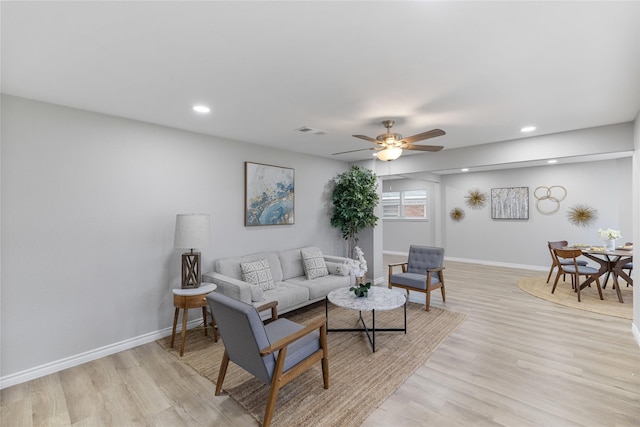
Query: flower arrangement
362	290
359	264
609	234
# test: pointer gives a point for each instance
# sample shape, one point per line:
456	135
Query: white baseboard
88	356
482	262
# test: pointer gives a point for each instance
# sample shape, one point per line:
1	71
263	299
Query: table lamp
192	231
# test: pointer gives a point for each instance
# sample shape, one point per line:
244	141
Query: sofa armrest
228	286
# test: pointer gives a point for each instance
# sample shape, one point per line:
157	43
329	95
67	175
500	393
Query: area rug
538	286
359	380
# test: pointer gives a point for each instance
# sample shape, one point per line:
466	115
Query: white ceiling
478	70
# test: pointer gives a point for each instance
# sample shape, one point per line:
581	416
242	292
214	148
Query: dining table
611	265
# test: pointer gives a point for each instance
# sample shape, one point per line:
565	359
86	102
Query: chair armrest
400	264
230	287
273	305
319	323
434	270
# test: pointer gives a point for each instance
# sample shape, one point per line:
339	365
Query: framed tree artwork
269	195
510	203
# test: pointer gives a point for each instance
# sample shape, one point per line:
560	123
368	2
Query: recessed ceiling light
201	108
552	161
528	129
465	169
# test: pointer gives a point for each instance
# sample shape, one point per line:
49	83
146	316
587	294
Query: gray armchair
421	273
275	353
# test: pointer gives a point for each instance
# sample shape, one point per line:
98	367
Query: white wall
524	242
88	214
636	221
396	233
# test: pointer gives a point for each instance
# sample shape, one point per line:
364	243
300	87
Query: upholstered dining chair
423	272
629	265
554	260
275	353
575	270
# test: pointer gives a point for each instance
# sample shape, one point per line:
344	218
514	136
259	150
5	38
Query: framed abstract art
269	195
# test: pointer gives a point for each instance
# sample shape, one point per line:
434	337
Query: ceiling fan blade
353	151
431	148
424	135
367	138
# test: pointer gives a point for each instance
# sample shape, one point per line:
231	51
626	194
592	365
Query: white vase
610	244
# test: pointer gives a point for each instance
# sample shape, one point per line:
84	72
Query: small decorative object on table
361	290
609	235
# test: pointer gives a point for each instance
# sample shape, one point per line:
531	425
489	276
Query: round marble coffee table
378	299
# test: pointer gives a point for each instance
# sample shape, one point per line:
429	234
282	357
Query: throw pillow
258	273
314	265
337	268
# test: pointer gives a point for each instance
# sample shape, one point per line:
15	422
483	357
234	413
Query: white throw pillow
314	265
258	273
339	269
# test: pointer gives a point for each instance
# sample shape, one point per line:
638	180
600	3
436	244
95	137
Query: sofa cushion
257	273
287	295
320	287
231	266
313	263
291	262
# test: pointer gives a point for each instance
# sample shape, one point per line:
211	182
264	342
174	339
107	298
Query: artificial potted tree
354	199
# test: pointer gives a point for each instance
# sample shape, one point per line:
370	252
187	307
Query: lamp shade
192	231
390	153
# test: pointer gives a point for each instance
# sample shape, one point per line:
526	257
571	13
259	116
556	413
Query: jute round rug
564	295
359	380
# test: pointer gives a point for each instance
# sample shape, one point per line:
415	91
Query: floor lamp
192	231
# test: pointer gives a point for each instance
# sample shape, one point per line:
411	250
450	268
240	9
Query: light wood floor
516	361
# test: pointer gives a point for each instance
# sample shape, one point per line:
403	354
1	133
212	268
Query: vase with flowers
609	236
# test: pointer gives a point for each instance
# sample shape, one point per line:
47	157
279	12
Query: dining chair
421	273
554	260
275	353
575	270
629	265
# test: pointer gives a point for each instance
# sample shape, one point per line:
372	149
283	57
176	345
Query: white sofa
291	287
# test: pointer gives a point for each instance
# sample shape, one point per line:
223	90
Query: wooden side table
191	298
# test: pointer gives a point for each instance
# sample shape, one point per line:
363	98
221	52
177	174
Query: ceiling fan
390	144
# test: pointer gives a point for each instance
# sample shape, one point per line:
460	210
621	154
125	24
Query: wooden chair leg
442	291
550	272
222	373
428	302
555	283
275	387
577	281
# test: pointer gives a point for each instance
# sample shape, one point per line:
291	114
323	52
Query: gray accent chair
423	272
275	353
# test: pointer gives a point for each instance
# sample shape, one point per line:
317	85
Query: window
410	204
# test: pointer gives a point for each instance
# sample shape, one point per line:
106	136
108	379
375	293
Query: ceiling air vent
307	129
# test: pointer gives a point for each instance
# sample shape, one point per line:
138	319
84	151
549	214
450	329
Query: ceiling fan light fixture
388	154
